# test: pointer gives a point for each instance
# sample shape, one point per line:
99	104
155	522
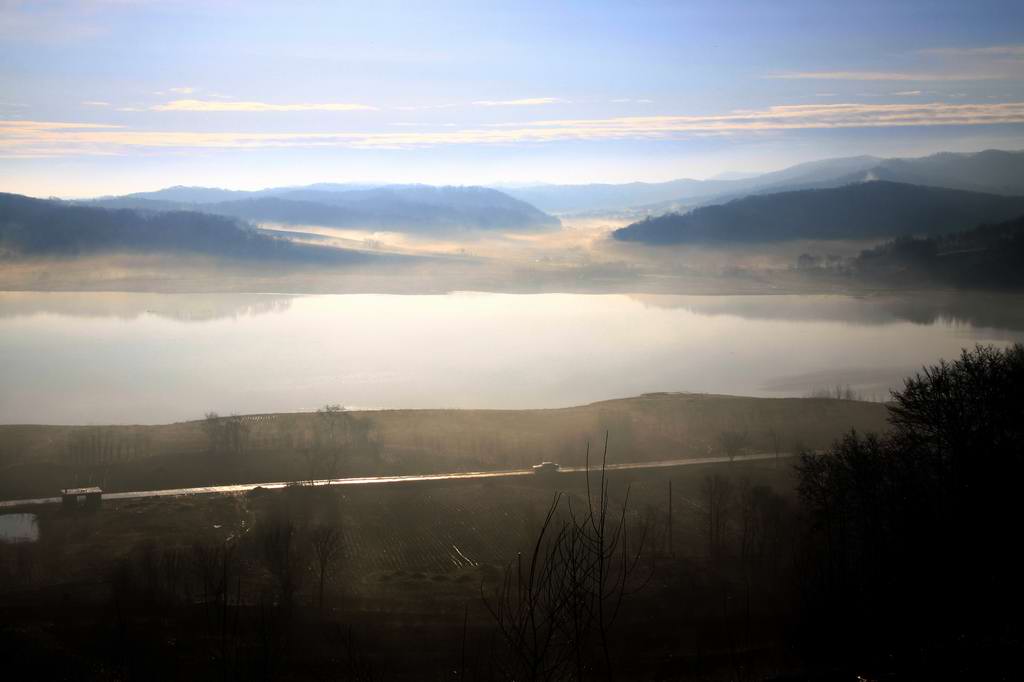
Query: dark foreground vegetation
886	557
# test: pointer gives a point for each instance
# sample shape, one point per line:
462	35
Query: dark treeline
986	257
908	560
859	211
34	227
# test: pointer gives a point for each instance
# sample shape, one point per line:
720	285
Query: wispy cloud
885	76
24	138
802	116
980	63
182	90
525	102
227	105
426	107
95	103
1012	51
14	127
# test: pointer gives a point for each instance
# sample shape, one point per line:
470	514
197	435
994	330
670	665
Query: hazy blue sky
115	96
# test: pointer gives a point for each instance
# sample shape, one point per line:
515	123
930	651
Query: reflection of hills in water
178	307
1000	315
981	310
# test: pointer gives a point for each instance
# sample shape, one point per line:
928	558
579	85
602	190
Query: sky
115	96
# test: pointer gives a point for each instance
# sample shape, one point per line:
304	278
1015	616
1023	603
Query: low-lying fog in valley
580	256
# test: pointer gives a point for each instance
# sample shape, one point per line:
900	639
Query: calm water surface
150	358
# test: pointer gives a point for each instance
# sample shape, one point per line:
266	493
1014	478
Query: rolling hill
859	211
41	228
395	208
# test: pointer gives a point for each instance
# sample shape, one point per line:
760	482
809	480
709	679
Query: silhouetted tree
555	608
226	435
282	557
733	442
325	541
905	548
717	498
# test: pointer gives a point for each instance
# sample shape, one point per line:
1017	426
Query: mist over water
151	358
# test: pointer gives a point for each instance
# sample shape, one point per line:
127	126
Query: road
374	480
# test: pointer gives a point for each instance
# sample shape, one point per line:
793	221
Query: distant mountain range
37	228
610	197
992	171
859	211
394	208
860	197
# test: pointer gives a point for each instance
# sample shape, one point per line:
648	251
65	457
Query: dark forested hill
399	208
986	257
858	211
35	227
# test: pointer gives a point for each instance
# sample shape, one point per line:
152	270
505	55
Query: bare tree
282	557
555	609
212	428
733	443
237	434
326	542
760	513
717	493
92	451
776	441
324	453
226	435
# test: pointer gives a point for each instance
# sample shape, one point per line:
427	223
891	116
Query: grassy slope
38	460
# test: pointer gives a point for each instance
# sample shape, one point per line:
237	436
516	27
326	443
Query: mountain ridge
400	208
991	170
877	209
32	227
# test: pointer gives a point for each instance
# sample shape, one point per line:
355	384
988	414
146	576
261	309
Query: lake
82	358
